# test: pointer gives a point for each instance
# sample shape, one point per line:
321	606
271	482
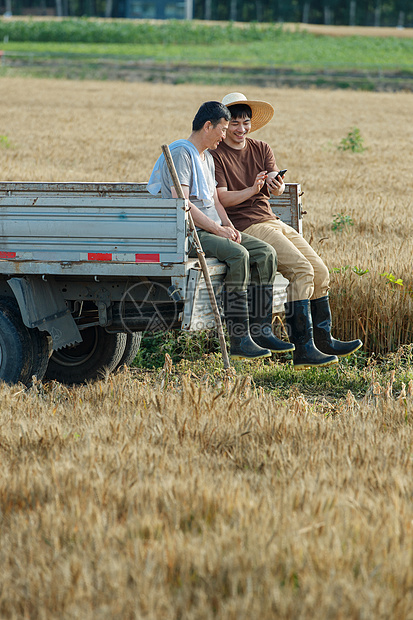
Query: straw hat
262	112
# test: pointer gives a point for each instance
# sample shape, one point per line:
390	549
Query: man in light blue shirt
246	257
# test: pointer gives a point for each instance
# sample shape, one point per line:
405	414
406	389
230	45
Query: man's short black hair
210	111
240	110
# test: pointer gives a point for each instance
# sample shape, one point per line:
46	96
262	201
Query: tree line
392	13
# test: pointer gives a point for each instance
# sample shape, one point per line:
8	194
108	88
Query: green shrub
83	30
352	142
4	142
178	344
340	222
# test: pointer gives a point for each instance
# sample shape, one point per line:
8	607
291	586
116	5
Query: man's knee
239	253
238	257
302	268
267	251
266	262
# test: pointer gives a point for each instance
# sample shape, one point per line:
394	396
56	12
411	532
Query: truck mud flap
42	305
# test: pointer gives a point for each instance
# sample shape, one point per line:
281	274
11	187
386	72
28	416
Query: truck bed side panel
34	226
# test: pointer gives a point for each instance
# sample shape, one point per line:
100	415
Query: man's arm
231	198
224	217
275	186
203	221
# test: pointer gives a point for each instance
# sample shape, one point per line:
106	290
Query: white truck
85	268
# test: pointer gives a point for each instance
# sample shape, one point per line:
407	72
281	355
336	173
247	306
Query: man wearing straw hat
245	171
246	257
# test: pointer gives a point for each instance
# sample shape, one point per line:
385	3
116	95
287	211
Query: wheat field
131	499
160	497
97	131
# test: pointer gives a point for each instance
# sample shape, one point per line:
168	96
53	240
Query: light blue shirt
199	187
193	172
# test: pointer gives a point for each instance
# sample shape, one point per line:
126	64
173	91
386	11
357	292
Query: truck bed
94	241
86	228
111	229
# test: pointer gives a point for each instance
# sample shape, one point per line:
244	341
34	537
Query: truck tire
40	341
42	348
16	355
100	351
133	344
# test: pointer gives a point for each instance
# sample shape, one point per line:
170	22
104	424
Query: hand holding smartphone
277	175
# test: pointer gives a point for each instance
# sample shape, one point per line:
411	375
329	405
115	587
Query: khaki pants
297	261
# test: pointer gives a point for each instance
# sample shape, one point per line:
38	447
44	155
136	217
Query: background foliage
182	51
331	12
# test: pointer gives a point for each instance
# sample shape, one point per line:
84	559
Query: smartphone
281	173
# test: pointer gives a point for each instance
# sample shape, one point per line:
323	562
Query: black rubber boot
242	345
300	332
260	311
321	315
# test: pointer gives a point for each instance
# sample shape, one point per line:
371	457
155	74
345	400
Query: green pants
251	260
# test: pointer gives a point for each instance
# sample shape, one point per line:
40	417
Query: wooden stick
201	257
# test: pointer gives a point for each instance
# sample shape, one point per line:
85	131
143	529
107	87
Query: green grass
218	54
222	45
132	31
358	373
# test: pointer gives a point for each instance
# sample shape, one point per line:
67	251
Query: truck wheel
40	341
88	360
16	355
42	347
133	344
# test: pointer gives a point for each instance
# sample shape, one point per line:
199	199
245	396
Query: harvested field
132	499
345	31
175	496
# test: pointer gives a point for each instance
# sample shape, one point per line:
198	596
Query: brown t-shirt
237	169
